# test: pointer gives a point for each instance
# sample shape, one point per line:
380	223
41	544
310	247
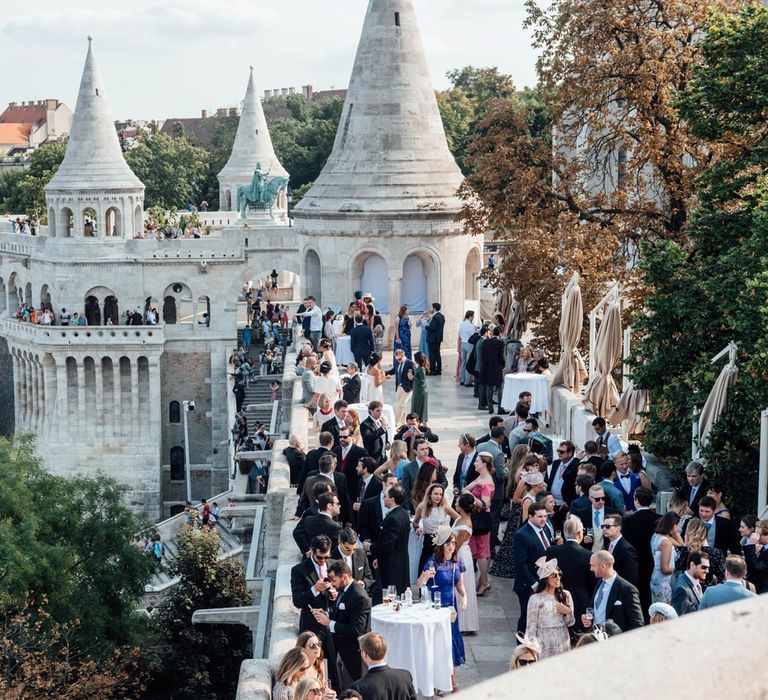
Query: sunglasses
313	645
525	662
527	430
598	498
320	557
605	526
562	452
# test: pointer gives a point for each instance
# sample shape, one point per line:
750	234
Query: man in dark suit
327	471
687	591
403	371
300	535
573	561
435	331
465	472
561	480
491	369
335	424
347	456
361	342
312	462
638	530
614	599
296	458
350	385
355	558
373	430
495	422
721	532
757	562
695	486
531	541
593	517
412	431
373	511
382	682
626	481
349	617
624	554
325	523
391	551
368	486
310	586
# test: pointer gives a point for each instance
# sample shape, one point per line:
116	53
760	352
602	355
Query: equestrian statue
261	193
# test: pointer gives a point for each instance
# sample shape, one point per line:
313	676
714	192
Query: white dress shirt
600	611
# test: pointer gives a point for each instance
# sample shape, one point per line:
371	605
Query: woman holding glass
444	572
482	489
550	610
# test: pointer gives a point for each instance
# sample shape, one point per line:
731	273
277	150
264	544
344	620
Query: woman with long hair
482	489
747	526
310	643
444	572
550	610
695	540
403	332
291	670
469	620
525	653
377	377
310	689
396	460
424	477
716	491
420	396
664	543
430	514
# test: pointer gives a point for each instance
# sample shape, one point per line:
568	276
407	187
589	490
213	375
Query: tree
25	194
223	133
716	289
10	199
620	159
173	171
202	662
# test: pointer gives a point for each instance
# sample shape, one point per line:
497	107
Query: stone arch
14	295
67	222
111	310
90	224
183	305
28	293
52	222
138	220
313	271
421	285
370	273
169	310
472	268
92	310
45	297
203	311
113	222
177	463
3	297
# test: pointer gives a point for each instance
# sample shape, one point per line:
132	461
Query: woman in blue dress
423	323
403	332
444	573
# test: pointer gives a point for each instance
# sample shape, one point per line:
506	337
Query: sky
172	58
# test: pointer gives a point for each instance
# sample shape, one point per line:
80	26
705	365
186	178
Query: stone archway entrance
374	278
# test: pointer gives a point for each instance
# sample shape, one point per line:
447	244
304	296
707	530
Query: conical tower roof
390	154
252	144
93	159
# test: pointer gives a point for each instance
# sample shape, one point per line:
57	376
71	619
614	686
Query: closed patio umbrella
632	402
717	401
602	395
571	371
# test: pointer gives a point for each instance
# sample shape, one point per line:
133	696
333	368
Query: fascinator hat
545	567
442	535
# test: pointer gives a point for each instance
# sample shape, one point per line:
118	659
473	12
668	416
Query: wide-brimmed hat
442	535
533	478
545	567
663	609
370	296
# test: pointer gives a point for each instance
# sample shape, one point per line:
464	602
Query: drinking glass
436	599
590	531
589	614
558	534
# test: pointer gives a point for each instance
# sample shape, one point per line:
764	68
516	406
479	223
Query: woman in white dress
378	377
325	347
469	620
431	513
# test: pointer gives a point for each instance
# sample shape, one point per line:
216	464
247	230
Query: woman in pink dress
482	489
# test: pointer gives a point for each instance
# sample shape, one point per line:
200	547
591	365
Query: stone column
29	394
62	396
135	429
37	395
117	429
100	421
155	401
81	417
17	390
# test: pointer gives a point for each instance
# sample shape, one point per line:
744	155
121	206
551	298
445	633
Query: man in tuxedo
327	471
435	338
495	422
491	370
312	462
335	424
757	562
606	475
412	431
355	558
300	535
593	517
348	618
531	541
638	529
361	341
382	682
732	589
721	532
310	586
687	591
626	481
695	486
350	385
403	370
615	599
465	472
391	550
573	561
584	482
296	457
561	480
348	455
624	554
373	430
373	511
368	485
591	454
325	523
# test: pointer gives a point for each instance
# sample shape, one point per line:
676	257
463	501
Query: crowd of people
28	226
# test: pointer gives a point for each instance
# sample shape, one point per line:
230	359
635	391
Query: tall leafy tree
716	289
25	194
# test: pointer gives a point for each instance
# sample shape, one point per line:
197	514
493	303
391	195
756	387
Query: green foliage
10	192
223	133
26	194
202	661
718	290
173	171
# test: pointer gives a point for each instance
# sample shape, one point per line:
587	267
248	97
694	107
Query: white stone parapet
49	338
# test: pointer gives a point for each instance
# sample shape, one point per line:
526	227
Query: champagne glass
589	613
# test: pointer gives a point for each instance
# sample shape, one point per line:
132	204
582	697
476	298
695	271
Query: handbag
482	523
454	612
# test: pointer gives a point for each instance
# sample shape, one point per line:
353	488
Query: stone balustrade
58	336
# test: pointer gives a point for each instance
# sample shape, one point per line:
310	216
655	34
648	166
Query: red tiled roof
28	114
15	134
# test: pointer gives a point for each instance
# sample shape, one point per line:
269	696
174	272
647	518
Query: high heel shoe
483	589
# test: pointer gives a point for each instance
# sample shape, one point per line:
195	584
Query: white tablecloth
337	326
418	640
537	384
343	353
387	411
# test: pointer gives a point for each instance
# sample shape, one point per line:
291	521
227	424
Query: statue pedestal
257	219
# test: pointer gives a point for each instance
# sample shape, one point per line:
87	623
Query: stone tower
382	214
94	194
252	146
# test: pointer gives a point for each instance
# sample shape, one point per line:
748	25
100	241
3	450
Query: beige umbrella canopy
602	395
632	403
717	401
571	371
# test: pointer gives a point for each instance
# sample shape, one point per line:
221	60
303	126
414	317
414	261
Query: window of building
174	412
177	463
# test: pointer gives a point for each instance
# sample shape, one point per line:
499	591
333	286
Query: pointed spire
390	153
252	144
93	159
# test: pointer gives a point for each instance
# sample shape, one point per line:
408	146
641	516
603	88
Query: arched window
111	310
89	222
169	310
92	311
174	412
313	270
177	463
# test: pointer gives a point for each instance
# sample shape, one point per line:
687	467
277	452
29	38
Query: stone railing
18	244
83	335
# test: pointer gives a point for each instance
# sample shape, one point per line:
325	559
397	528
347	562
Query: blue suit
629	498
401	378
723	593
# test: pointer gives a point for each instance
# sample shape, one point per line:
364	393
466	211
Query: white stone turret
94	193
390	155
252	146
